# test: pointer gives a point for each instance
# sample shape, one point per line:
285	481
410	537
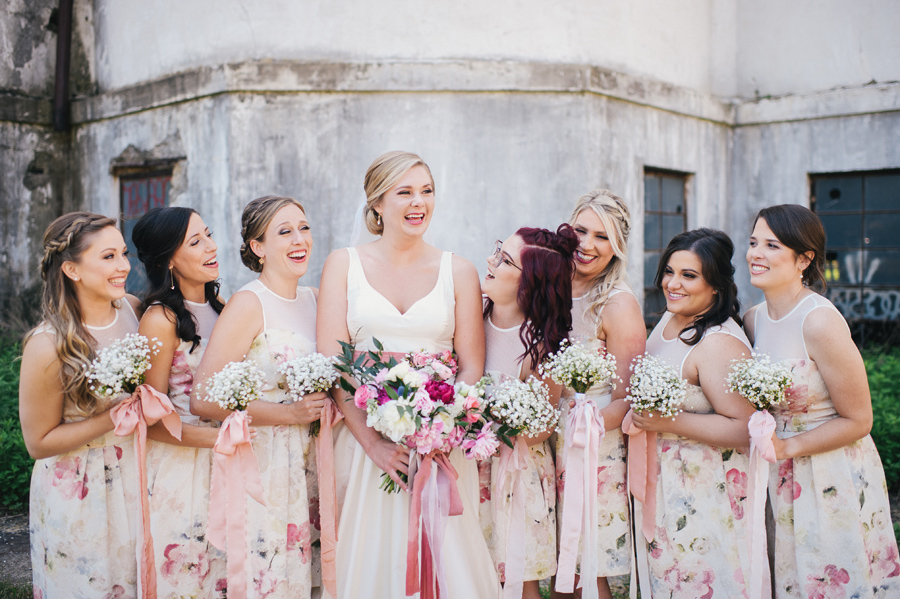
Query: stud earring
172	277
262	260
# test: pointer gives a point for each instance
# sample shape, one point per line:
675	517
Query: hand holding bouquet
312	373
655	387
759	380
578	367
120	367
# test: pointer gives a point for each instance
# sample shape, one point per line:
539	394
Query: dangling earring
377	219
172	276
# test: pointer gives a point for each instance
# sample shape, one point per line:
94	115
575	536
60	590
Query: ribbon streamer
642	471
510	468
146	406
584	432
434	498
235	475
762	452
331	415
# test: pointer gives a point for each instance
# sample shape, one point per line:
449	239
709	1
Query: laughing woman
833	535
699	544
271	320
181	307
82	507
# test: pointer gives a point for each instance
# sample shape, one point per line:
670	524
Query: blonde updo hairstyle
613	213
65	240
383	174
254	222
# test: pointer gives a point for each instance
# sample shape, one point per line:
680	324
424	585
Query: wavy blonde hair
65	240
383	174
254	222
613	213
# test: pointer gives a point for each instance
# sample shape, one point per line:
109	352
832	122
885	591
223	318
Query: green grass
16	465
12	591
883	370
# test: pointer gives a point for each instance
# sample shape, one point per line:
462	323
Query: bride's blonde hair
65	240
383	174
613	213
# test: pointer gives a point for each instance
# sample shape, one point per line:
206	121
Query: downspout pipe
63	57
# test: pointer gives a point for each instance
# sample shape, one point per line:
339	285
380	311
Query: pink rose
442	371
362	396
420	359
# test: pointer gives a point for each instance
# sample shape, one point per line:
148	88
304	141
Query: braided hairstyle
545	289
255	220
157	236
65	240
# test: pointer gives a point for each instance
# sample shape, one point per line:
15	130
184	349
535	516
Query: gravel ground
15	560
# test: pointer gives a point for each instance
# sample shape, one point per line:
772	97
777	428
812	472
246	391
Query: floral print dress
280	534
833	533
187	566
84	508
699	547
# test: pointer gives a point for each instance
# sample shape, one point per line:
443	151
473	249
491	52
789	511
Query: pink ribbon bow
441	499
513	462
235	475
331	415
584	432
762	452
642	471
146	406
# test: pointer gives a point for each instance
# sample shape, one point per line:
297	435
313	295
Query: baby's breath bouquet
759	380
520	407
579	367
655	386
120	367
235	386
312	373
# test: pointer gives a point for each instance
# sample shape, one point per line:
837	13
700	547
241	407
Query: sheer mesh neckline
107	326
281	297
502	330
794	309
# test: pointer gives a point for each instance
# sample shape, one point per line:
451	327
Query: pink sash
762	452
132	415
235	475
512	463
328	494
642	471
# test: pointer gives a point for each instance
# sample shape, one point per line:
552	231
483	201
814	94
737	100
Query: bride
411	297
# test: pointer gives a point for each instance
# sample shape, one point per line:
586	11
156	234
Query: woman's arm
331	329
830	346
239	324
626	338
710	363
41	405
468	340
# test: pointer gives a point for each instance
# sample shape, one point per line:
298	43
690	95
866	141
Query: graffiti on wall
868	304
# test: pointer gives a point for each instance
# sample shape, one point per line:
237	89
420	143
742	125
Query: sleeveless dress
613	549
84	512
833	534
178	483
700	545
504	348
279	535
373	524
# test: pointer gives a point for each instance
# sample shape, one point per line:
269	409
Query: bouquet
409	401
579	367
759	380
311	373
120	367
235	386
655	386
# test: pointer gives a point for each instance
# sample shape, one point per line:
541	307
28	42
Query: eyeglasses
498	256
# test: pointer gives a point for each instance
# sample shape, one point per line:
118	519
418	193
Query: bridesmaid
271	320
605	314
699	548
527	315
833	534
181	307
82	512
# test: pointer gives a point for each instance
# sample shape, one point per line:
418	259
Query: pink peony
420	359
483	446
441	370
423	402
440	391
362	396
428	438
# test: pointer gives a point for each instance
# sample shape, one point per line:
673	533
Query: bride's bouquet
655	387
120	367
759	380
579	367
411	401
312	373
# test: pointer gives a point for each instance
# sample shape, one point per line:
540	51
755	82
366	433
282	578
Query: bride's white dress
373	524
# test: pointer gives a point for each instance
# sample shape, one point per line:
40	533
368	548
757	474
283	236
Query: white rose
396	424
397	372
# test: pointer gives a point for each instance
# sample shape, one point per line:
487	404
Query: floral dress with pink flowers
187	566
84	508
280	535
699	547
833	533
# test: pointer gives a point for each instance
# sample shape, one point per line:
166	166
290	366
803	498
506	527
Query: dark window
665	216
861	215
140	191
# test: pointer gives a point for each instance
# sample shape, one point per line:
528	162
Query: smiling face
687	292
772	264
195	260
501	283
594	251
286	244
407	207
101	270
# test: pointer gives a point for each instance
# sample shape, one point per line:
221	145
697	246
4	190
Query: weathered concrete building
697	112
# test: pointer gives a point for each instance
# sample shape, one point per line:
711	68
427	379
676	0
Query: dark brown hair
801	231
